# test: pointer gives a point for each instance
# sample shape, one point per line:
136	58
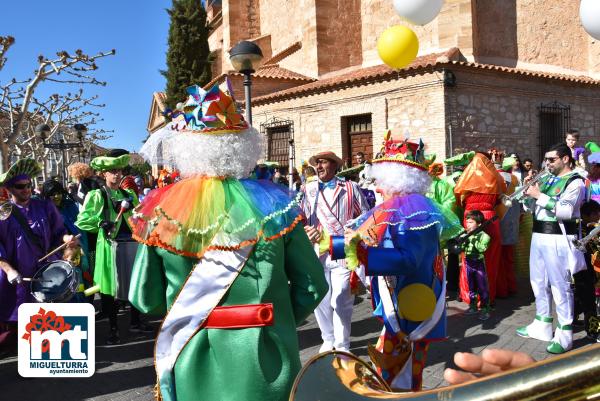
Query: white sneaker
327	346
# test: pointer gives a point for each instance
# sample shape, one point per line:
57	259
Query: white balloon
418	12
589	13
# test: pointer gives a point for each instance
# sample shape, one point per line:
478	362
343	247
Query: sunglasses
551	159
22	186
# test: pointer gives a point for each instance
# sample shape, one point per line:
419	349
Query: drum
125	251
55	281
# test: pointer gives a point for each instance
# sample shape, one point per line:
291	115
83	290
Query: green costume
476	245
265	359
89	219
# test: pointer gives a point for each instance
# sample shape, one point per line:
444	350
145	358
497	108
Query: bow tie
329	184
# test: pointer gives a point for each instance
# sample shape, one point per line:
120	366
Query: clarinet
455	244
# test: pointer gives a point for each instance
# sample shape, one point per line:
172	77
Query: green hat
508	162
349	172
460	160
592	147
23	167
104	163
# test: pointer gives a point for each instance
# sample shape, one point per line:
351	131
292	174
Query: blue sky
137	29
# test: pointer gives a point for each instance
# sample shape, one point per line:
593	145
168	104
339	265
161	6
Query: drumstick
34	279
57	249
124	206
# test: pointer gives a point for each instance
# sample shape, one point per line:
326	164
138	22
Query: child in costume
398	243
474	248
224	257
479	188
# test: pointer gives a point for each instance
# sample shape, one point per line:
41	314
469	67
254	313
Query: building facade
510	74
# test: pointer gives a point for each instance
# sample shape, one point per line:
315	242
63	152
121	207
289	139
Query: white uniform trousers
551	279
334	313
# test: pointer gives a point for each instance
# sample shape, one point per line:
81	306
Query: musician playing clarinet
555	203
33	228
105	212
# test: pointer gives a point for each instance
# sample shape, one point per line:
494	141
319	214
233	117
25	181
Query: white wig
224	155
400	179
214	155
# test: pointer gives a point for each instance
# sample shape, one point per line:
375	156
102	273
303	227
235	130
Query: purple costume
15	248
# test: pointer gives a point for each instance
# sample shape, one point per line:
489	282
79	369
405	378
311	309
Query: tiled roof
382	72
530	73
362	75
271	71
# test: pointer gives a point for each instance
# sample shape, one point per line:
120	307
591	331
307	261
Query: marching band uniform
224	258
329	206
398	243
554	259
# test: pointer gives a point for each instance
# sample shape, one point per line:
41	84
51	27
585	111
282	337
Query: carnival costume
29	233
100	205
594	161
329	206
554	258
479	188
506	283
398	243
225	258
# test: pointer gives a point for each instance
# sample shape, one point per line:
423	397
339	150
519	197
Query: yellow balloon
416	302
398	46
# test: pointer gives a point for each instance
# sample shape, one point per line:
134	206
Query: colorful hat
461	159
405	152
592	147
208	112
22	169
104	163
327	155
508	162
594	158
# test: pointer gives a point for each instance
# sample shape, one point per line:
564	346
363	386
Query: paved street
125	372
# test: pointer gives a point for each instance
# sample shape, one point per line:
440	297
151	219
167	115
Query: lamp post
245	57
44	129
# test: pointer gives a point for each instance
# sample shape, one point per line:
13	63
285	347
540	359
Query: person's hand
348	235
71	240
107	225
491	361
313	234
14	277
533	191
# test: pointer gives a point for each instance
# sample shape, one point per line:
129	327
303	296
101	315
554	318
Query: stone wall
288	22
452	28
338	34
415	104
534	34
488	109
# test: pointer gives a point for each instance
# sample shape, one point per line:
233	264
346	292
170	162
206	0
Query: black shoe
141	328
113	338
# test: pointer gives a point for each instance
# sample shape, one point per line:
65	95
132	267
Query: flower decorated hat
216	204
405	152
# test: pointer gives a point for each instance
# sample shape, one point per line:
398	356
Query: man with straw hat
33	228
328	205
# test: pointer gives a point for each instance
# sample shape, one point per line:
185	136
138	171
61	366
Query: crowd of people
227	253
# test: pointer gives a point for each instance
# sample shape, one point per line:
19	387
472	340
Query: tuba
339	375
5	210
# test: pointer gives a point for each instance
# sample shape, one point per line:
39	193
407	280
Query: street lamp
44	129
245	57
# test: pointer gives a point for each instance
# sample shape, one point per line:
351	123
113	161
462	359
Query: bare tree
17	116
